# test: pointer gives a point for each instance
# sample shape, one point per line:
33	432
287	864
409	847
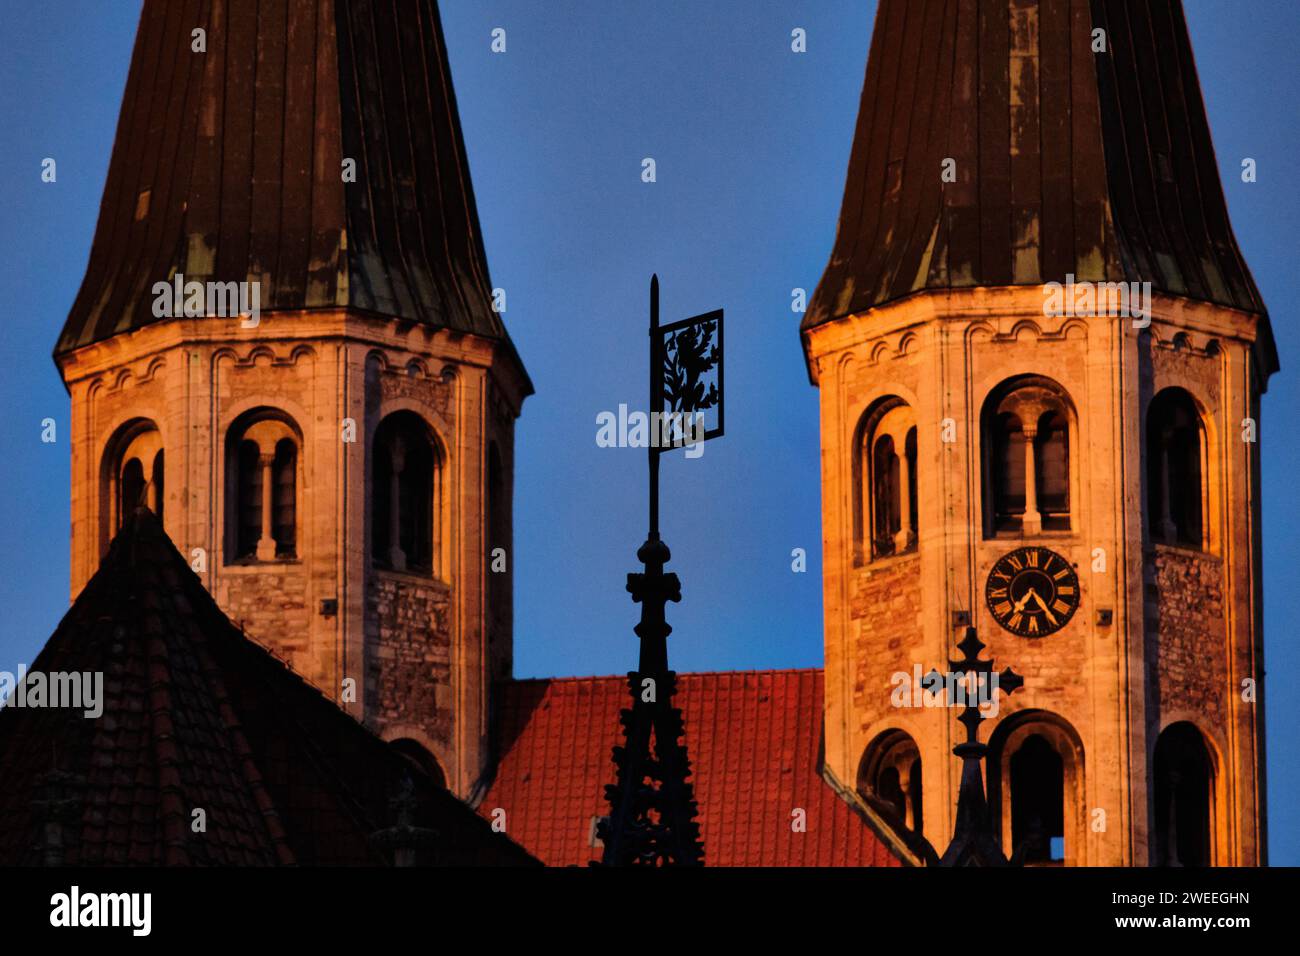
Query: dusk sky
751	144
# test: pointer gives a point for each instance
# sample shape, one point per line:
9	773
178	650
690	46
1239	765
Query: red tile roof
754	740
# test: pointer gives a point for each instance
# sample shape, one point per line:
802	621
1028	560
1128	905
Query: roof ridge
622	678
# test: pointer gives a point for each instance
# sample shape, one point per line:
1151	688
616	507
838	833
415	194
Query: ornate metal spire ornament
404	839
652	804
973	840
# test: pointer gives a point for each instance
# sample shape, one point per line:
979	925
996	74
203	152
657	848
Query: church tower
1040	356
286	345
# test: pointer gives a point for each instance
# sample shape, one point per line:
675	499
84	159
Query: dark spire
1066	161
652	801
228	166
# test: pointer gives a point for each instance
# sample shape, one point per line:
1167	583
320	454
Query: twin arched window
133	473
1025	429
1026	446
262	485
1175	450
261	488
889	778
886	511
406	495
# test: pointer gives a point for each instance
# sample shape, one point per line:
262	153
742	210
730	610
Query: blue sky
751	144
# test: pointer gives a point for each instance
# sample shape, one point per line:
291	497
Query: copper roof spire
1066	161
228	166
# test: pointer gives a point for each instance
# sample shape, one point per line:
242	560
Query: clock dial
1032	592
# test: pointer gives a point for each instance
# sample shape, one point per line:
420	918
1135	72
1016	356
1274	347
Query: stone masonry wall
270	602
1186	633
886	610
408	653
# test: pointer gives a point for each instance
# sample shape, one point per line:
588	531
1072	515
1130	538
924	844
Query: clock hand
1043	605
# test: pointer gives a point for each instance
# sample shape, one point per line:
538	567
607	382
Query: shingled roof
197	716
227	166
1066	162
754	739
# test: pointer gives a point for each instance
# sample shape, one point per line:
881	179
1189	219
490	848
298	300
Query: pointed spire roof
228	166
197	716
1065	161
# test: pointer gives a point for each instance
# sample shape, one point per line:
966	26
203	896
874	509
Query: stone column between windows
1032	523
266	543
903	539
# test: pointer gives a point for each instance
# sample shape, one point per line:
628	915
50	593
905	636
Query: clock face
1032	592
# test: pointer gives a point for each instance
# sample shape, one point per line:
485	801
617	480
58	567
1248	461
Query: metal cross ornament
973	841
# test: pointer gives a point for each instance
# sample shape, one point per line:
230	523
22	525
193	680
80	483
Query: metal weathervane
652	804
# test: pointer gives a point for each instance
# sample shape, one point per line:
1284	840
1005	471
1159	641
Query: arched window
140	476
1175	492
1026	443
885	477
1037	802
407	493
419	757
886	495
133	487
1036	789
262	488
889	778
132	476
1183	797
284	515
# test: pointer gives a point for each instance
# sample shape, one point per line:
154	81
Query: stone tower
285	344
1072	468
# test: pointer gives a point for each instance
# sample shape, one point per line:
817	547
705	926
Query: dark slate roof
1066	162
198	716
240	151
754	740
